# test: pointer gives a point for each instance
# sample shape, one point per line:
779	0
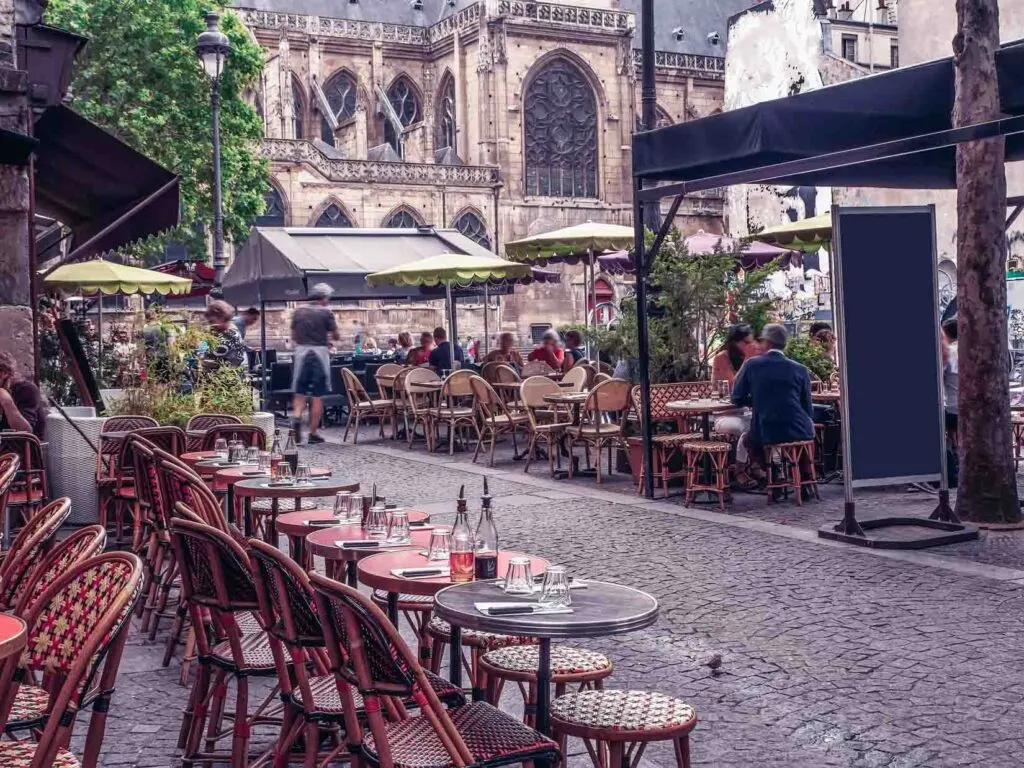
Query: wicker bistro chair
403	408
78	651
667	447
537	368
9	463
707	457
30	706
601	377
250	434
216	579
577	378
449	412
610	398
369	657
544	424
617	726
421	401
794	469
362	406
519	664
114	477
506	374
494	417
31	488
202	422
28	551
385	378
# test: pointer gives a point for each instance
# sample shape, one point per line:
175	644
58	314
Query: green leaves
140	79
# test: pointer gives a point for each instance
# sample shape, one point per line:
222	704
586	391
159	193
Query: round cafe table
341	563
296	526
375	572
225	475
245	491
191	458
703	407
599	610
826	398
12	635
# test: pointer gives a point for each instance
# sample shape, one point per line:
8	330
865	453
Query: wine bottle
460	558
276	454
291	452
485	541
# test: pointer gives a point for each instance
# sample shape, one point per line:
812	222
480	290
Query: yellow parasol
448	269
806	235
108	277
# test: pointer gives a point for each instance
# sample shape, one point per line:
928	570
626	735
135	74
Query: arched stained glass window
446	114
273	215
333	216
560	133
472	226
341	91
403	218
406	104
298	109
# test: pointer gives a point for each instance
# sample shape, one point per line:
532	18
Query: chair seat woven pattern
592	430
448	413
19	754
30	704
374	404
676	439
470	637
706	446
628	712
405	602
326	699
247	623
489	734
564	660
255	652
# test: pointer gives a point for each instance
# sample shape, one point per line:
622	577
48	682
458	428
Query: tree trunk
988	483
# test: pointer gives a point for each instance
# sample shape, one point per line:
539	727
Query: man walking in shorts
313	328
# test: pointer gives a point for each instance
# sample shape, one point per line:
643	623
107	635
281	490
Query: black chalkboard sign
77	361
890	365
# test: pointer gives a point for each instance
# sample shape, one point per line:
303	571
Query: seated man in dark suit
779	391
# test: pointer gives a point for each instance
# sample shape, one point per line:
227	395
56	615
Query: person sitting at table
506	352
230	349
574	349
421	355
825	337
404	347
779	390
441	356
740	345
549	351
22	405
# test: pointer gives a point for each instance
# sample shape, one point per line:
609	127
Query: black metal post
219	262
643	360
648	96
264	368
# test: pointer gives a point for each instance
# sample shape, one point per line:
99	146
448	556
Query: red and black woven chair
617	726
77	651
202	422
9	463
31	487
30	705
115	480
249	434
28	550
476	643
216	578
369	657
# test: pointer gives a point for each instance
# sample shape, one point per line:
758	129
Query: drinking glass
342	506
220	447
440	544
236	451
284	474
252	455
398	527
263	461
723	390
302	474
355	510
518	577
377	522
554	593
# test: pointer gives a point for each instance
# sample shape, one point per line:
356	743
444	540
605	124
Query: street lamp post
212	48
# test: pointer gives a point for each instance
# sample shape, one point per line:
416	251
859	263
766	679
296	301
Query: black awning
15	147
883	109
109	194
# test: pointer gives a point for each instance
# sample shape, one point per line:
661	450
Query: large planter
71	462
265	421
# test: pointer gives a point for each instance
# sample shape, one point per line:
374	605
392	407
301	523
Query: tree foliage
140	79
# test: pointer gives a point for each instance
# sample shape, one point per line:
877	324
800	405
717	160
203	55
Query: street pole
219	262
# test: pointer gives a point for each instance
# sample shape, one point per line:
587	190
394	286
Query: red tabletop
12	635
297	523
322	542
375	571
227	476
192	457
260	488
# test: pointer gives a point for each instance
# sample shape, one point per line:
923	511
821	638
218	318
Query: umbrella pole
99	336
263	355
450	306
487	309
593	353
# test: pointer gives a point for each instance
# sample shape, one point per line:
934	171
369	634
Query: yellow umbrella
108	277
571	243
450	269
806	235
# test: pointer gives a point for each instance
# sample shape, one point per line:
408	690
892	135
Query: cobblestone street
832	656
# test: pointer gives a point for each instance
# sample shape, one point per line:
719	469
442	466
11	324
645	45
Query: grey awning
282	263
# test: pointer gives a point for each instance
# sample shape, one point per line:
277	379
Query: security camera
714	38
679	33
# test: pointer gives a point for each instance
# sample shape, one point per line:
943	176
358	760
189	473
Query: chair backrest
489	372
27	447
537	368
147	480
612	396
249	434
285	596
535	389
107	460
457	384
170	439
599	377
127	423
577	378
179	484
662	394
354	388
29	548
486	401
366	651
398	389
506	374
81	545
204	421
76	625
420	398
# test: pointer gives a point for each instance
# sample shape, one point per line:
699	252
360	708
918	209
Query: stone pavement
832	656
